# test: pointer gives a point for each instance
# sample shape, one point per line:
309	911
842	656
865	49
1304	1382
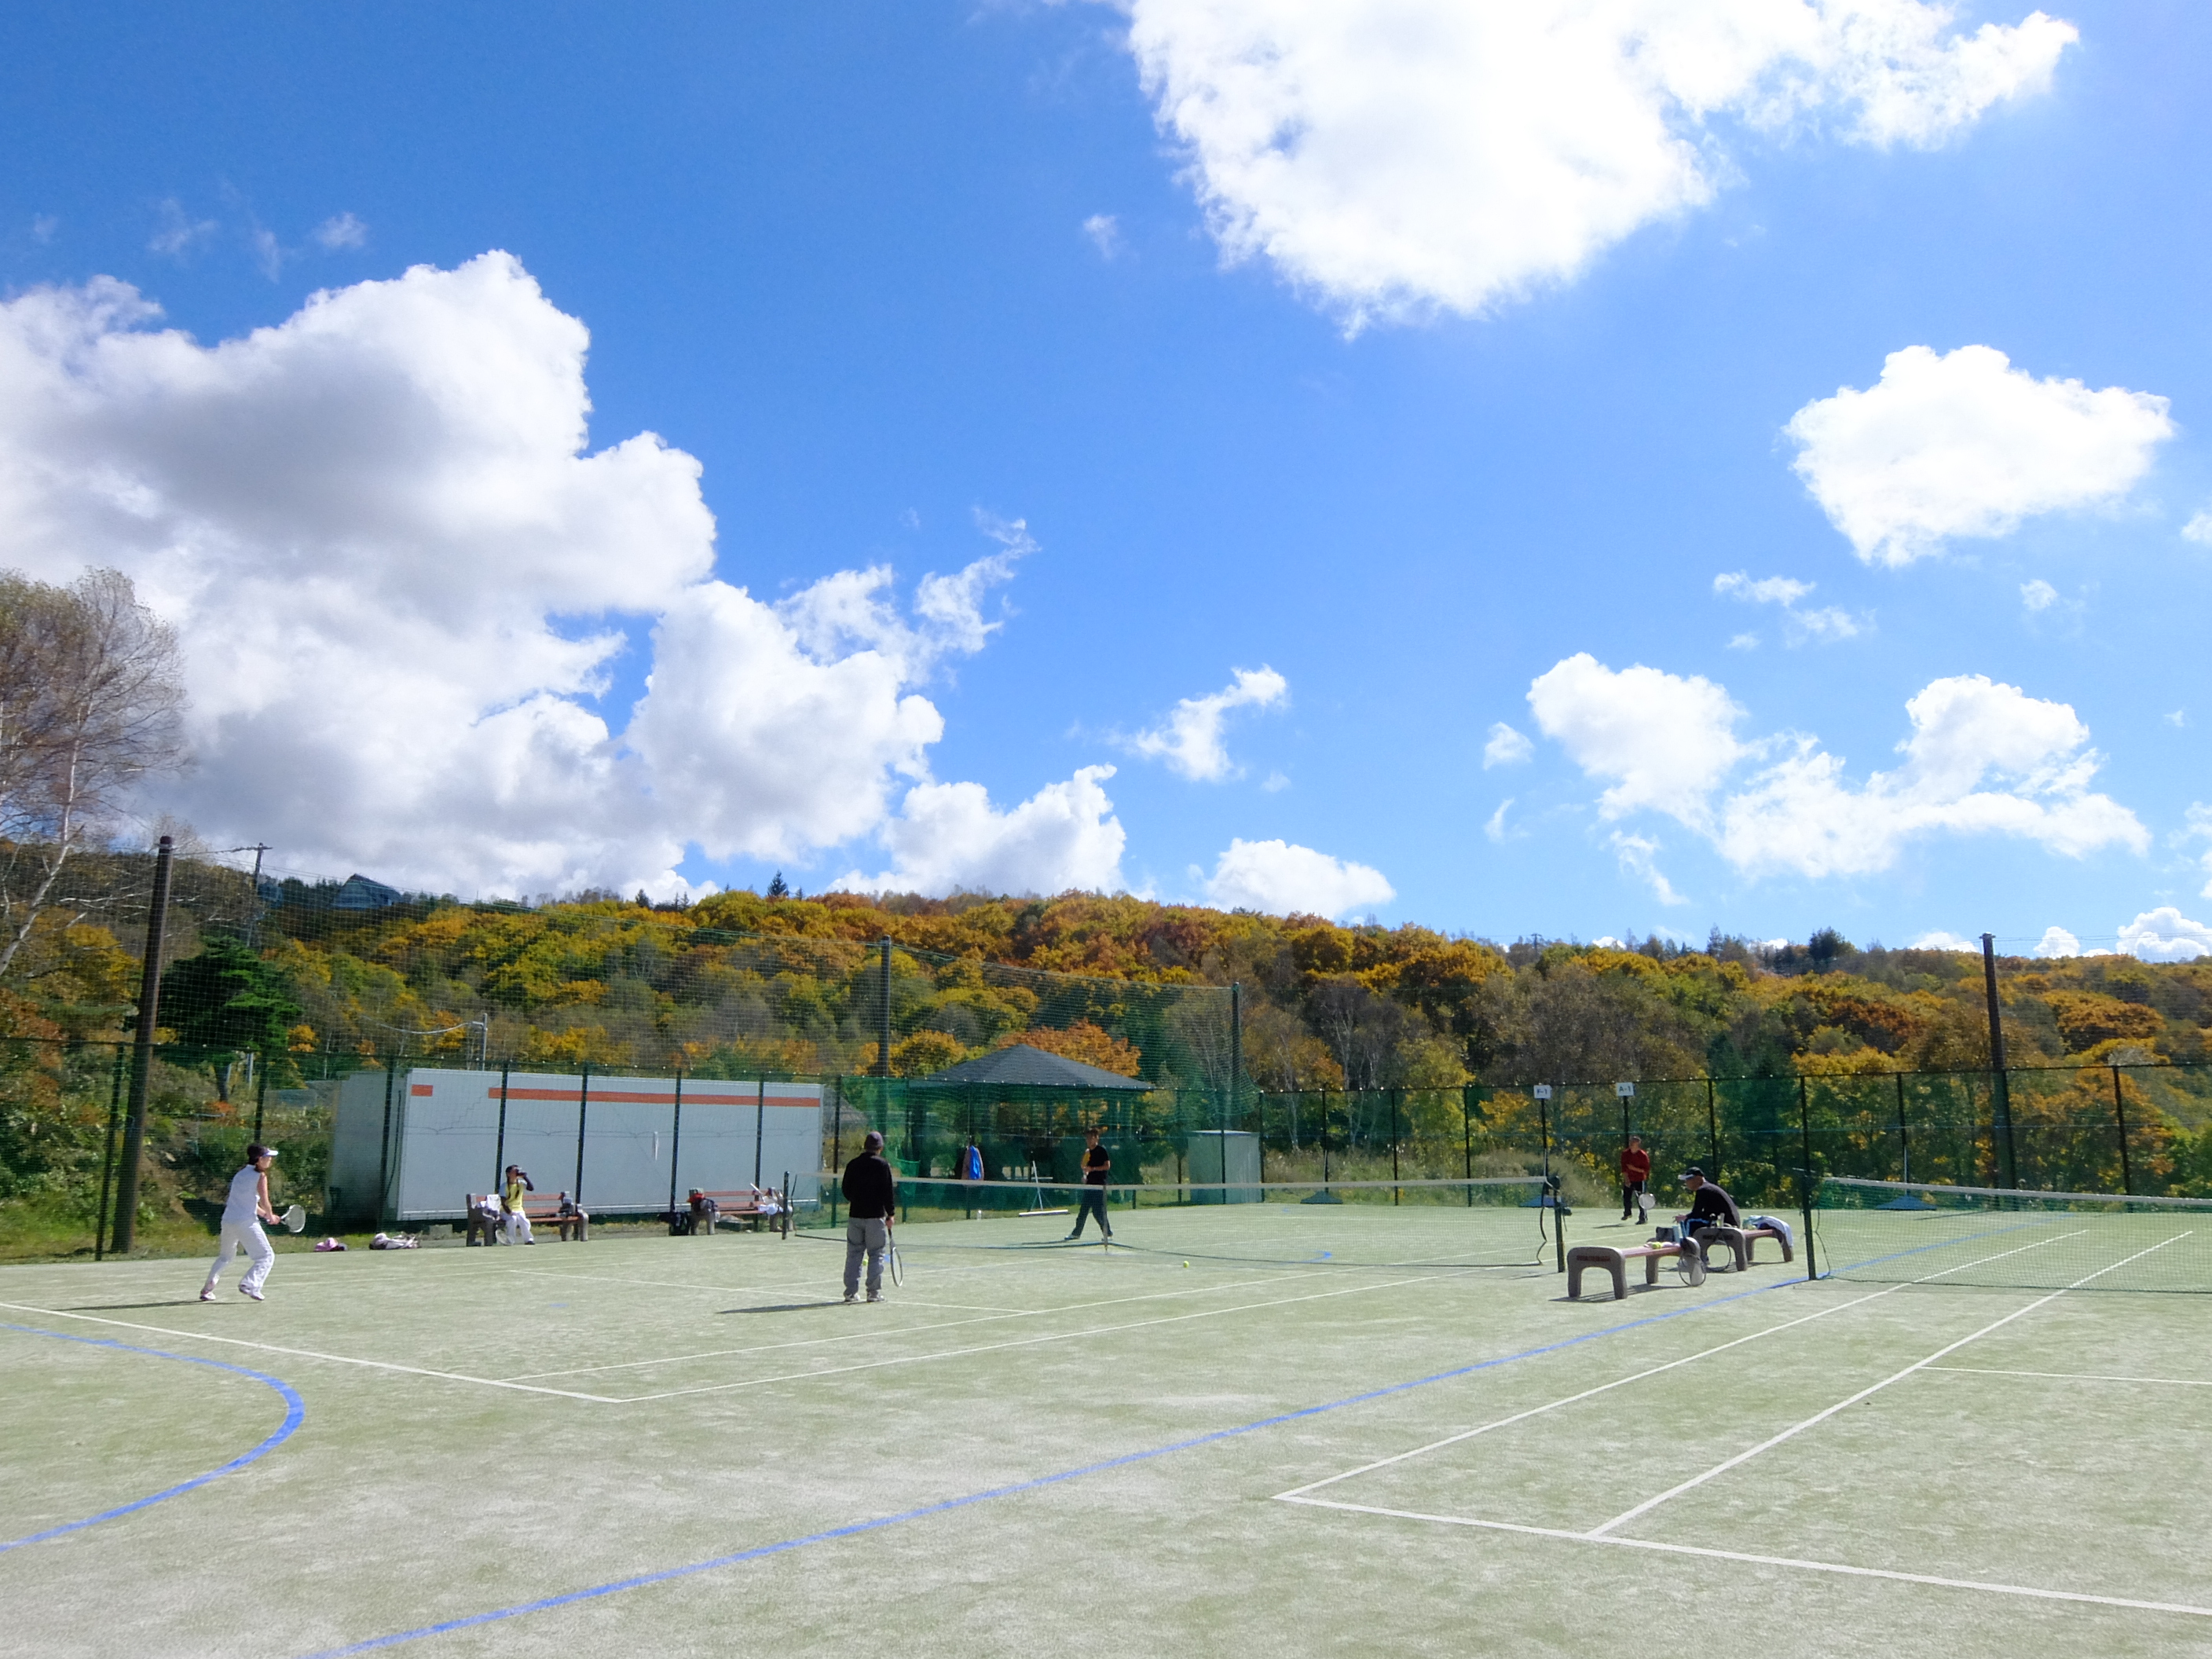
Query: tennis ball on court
1186	1264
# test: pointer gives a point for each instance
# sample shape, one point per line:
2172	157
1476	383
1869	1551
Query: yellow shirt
515	1189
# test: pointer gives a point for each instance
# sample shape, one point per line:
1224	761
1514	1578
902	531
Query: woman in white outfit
246	1208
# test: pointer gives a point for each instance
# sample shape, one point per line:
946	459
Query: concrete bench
1753	1235
1615	1258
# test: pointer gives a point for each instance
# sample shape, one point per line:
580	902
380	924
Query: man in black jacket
873	1191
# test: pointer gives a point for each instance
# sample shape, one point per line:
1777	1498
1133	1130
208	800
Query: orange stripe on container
420	1089
644	1099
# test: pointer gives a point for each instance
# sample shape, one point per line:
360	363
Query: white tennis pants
247	1236
518	1227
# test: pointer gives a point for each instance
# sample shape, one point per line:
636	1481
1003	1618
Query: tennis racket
293	1220
891	1260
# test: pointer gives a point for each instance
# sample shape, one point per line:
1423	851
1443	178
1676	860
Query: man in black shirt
1097	1166
873	1191
1710	1206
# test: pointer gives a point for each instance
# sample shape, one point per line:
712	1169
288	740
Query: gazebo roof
1021	1067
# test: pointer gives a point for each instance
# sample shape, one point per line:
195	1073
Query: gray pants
870	1238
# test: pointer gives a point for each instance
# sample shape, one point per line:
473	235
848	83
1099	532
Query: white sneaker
875	1296
207	1292
247	1290
852	1297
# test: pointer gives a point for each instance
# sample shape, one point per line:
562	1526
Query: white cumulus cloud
1966	445
1506	747
2166	935
947	838
2199	529
1941	940
401	579
2057	942
1189	740
1396	157
1281	878
1982	759
1664	742
2037	595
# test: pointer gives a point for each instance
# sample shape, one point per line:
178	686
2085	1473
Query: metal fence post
142	1055
1805	1179
2120	1116
583	1107
108	1157
676	1147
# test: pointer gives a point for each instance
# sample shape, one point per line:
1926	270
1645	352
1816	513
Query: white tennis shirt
243	1208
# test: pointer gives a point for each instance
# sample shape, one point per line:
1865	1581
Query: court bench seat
542	1210
1614	1259
744	1205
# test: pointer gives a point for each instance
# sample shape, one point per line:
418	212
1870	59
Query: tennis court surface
1253	1428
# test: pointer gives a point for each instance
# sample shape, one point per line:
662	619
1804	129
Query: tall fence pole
583	1107
1467	1131
1712	1130
499	1141
1397	1194
260	1094
2120	1116
884	1027
837	1151
1237	1054
676	1147
1805	1179
142	1054
2000	1098
384	1147
1904	1140
760	1127
108	1157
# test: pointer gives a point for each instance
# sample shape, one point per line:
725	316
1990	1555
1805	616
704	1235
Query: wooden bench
540	1209
744	1204
1615	1258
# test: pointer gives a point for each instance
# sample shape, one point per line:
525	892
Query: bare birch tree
91	702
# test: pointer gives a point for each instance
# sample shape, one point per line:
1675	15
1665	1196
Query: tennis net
1495	1222
1893	1231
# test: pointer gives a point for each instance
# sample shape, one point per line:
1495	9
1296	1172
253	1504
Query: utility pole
254	927
2001	1092
142	1055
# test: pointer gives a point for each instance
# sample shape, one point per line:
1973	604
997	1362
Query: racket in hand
891	1260
293	1220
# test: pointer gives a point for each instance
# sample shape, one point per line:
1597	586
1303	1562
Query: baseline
2080	1377
2035	1592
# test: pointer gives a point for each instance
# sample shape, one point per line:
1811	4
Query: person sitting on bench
484	1217
1710	1206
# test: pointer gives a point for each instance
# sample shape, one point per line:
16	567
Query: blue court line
855	1529
295	1411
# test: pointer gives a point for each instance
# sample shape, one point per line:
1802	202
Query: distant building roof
358	892
1021	1067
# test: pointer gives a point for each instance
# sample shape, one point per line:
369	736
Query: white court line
311	1353
1573	1399
2032	1591
2080	1377
1819	1417
1018	1342
903	1330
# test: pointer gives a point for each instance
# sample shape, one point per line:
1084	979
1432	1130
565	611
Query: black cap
1693	1171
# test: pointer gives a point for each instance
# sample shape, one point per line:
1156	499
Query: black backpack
679	1224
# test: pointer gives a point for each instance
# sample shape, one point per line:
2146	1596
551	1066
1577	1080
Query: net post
2120	1116
1805	1179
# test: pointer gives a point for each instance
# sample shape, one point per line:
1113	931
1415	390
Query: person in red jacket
1635	1175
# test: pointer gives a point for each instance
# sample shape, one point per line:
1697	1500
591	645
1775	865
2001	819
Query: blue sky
1447	398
